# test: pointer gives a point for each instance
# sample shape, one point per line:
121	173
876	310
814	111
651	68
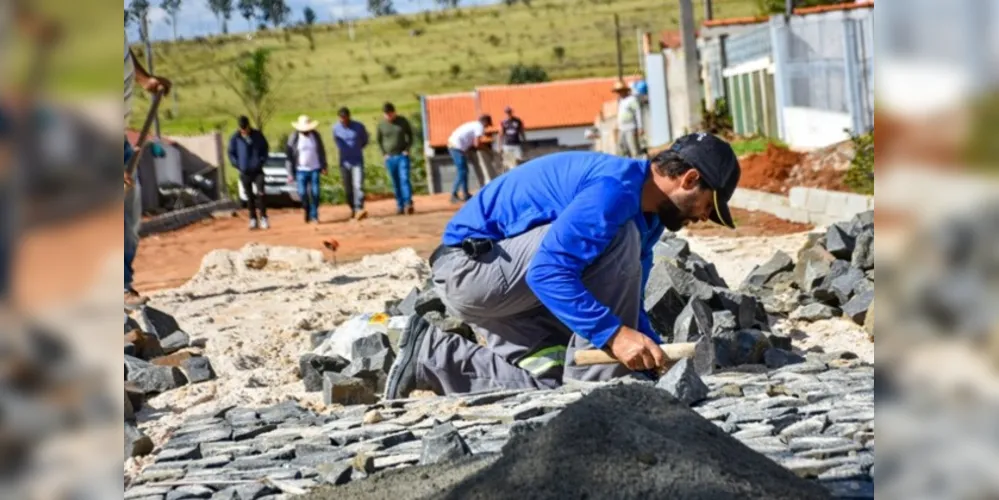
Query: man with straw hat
306	162
629	121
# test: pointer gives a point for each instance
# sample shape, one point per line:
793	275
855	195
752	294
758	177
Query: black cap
718	166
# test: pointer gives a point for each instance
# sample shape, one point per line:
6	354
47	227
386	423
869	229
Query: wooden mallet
702	352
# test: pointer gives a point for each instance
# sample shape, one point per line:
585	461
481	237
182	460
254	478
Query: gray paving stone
812	468
224	448
756	431
817	442
192	452
335	473
345	437
251	431
830	451
808	427
852	415
754	414
190	493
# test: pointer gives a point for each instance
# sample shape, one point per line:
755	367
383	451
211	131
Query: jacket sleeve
289	152
322	151
338	141
232	152
408	133
576	239
265	150
381	143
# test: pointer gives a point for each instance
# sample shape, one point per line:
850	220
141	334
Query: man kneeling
552	258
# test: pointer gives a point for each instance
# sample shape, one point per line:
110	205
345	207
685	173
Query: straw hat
305	124
620	86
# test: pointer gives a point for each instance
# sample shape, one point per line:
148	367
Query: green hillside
399	58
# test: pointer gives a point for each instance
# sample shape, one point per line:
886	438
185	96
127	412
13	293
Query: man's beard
672	216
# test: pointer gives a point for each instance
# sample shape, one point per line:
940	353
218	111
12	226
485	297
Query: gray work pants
353	185
525	346
628	143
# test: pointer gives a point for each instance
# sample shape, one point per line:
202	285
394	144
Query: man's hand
322	171
129	181
405	153
636	351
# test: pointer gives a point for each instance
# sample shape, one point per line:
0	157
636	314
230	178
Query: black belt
472	247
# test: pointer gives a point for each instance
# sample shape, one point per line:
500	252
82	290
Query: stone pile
833	276
159	356
686	300
815	419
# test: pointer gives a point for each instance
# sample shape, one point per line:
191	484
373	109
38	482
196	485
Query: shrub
494	40
860	175
559	52
717	121
520	73
391	71
364	77
455	70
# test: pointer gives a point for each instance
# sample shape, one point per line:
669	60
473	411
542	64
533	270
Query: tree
222	10
251	79
248	9
767	7
447	4
128	19
381	7
520	73
309	16
559	53
275	11
140	10
172	8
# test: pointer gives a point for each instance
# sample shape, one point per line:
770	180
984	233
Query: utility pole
620	54
788	8
692	67
149	65
709	11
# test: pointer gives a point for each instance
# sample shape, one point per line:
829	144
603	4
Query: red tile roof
559	104
672	39
734	21
445	113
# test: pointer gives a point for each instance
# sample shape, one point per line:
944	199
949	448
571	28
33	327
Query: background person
248	150
351	138
629	121
306	162
395	138
512	140
463	141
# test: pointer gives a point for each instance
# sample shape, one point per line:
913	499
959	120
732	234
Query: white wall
676	91
809	128
569	136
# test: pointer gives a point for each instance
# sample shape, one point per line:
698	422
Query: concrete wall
676	91
805	205
569	136
809	128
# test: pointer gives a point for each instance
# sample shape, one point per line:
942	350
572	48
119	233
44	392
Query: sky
196	19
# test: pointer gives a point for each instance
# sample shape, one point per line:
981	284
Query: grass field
399	58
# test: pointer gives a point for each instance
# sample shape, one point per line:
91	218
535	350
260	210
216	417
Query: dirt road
170	259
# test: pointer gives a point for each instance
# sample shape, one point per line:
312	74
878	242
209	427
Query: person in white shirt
629	121
306	162
464	140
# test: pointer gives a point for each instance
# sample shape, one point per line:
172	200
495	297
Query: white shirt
629	114
308	156
464	137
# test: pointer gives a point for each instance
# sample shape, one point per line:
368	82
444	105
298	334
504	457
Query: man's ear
691	179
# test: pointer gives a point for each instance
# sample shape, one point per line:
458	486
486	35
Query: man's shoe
402	376
361	214
133	300
400	211
264	223
254	224
410	210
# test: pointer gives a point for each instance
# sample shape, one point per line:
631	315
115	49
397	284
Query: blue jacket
248	157
587	198
351	141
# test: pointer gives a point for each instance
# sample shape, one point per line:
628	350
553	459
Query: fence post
779	30
223	186
851	75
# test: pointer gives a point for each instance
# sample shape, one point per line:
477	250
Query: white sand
257	322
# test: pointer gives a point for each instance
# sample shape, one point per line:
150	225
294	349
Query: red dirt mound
769	171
